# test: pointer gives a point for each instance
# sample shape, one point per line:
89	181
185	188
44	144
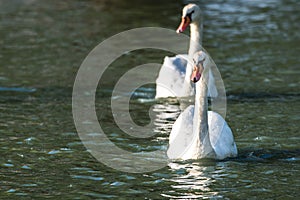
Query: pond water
255	45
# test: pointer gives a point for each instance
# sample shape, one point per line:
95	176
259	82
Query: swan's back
221	137
171	76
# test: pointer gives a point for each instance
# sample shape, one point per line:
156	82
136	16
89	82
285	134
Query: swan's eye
189	15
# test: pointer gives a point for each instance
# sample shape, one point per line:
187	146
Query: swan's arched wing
221	136
181	136
171	76
178	61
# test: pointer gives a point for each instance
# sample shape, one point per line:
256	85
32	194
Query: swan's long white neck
195	45
200	120
195	37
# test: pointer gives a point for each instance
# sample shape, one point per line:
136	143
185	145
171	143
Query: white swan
174	76
198	133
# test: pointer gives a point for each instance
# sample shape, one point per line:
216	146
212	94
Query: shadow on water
254	155
266	155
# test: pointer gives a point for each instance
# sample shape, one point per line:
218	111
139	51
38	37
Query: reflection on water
192	177
255	44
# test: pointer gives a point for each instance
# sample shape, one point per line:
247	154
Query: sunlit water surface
255	45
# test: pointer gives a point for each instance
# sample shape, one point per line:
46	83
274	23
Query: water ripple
17	89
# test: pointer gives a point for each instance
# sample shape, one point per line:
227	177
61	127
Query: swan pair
197	133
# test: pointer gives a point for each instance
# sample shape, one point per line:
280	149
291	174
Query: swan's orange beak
185	21
196	74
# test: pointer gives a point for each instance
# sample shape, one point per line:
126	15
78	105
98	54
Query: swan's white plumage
171	76
197	132
183	138
221	137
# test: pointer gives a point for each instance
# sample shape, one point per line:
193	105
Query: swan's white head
190	14
199	59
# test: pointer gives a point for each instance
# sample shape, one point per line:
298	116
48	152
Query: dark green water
256	46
